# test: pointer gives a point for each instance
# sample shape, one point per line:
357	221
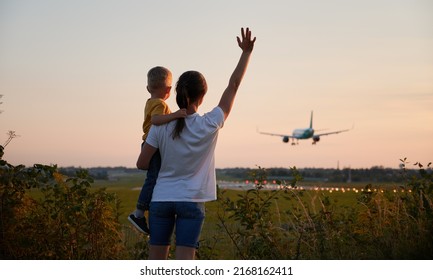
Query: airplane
304	133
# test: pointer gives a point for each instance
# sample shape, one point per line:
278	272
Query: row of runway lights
329	189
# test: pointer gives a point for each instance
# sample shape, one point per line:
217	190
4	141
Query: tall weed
63	219
383	224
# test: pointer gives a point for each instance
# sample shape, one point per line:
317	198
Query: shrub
45	215
383	224
250	224
398	224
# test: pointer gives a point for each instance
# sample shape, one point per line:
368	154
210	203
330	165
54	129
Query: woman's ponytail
189	88
182	101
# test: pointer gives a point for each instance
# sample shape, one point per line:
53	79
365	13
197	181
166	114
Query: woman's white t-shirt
188	163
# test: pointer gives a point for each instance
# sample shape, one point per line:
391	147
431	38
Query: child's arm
228	97
162	119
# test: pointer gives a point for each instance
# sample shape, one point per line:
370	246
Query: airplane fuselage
304	133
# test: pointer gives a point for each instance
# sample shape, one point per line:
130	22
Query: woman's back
188	163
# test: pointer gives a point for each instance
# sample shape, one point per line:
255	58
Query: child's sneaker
139	223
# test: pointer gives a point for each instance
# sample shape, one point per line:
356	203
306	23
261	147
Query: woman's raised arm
228	97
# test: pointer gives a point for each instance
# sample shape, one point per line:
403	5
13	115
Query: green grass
127	189
292	212
315	220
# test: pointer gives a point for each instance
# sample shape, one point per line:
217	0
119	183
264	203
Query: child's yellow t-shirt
154	106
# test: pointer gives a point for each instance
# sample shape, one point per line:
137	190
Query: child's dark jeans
150	182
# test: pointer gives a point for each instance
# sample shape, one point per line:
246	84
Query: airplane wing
333	132
276	134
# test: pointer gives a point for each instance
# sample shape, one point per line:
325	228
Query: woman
187	146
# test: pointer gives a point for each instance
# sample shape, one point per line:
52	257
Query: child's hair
158	77
190	87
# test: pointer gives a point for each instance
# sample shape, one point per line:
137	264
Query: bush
250	223
45	215
384	224
398	224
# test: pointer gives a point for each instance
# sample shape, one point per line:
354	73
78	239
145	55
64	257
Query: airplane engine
285	139
316	138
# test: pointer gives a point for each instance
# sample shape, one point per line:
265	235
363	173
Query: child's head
159	81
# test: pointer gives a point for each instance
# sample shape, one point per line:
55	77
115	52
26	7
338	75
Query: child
156	112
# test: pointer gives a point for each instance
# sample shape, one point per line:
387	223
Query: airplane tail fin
311	120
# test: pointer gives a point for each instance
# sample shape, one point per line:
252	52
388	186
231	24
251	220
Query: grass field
314	220
47	214
127	189
341	196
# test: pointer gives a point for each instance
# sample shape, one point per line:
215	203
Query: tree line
375	174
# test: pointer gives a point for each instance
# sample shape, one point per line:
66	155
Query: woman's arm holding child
146	154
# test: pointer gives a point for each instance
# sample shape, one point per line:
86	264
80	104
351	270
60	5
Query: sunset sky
73	78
